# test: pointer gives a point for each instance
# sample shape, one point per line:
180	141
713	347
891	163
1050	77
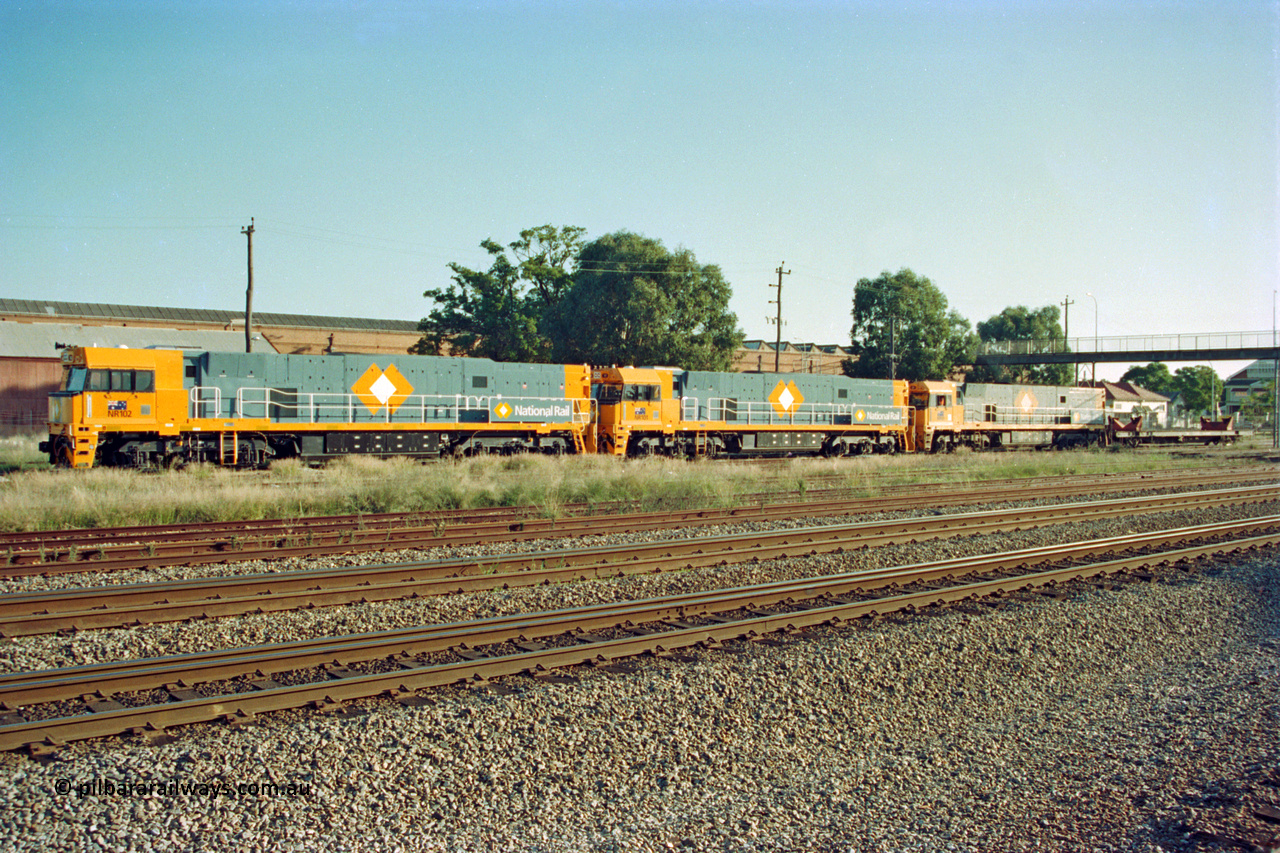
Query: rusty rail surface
60	552
492	648
28	613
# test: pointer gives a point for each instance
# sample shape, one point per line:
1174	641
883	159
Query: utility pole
1066	333
893	348
777	345
248	296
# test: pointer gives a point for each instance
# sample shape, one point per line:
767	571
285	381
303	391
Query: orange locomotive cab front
114	401
938	415
634	405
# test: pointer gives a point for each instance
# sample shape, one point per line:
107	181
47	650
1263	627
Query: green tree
1019	323
1154	377
902	327
500	313
1259	404
1200	387
635	302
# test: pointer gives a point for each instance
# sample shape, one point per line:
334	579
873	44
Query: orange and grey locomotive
143	408
147	408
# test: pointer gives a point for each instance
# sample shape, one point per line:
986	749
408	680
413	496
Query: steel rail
28	613
154	547
27	688
40	734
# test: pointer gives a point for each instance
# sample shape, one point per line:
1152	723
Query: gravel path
1140	718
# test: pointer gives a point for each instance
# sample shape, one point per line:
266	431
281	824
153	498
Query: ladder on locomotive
228	449
700	443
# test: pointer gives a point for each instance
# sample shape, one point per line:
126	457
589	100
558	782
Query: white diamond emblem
786	399
383	389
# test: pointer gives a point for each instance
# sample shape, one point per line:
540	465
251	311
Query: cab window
608	393
640	393
80	379
75	379
942	401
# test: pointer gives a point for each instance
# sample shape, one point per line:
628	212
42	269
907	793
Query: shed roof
74	310
41	340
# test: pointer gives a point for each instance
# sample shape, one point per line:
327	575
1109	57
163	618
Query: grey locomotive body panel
791	398
1033	404
375	389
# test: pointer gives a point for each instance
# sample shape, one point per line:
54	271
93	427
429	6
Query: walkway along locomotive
145	408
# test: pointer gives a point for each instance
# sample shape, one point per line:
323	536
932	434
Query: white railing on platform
762	412
1044	416
277	404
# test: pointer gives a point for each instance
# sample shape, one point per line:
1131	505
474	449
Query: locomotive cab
635	406
938	412
110	401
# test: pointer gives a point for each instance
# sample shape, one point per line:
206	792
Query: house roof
1127	392
1261	370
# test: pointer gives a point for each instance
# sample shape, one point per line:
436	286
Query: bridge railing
1132	343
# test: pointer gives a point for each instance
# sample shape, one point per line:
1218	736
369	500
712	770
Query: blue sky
1014	152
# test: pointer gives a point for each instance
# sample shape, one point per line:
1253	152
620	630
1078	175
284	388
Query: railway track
155	695
108	549
42	612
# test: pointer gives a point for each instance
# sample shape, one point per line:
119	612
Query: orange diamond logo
378	388
502	410
786	398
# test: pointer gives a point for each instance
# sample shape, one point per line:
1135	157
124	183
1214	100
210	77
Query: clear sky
1013	151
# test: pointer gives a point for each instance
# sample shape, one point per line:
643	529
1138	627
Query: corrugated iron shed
39	340
49	308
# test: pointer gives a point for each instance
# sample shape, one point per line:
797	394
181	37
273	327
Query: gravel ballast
1139	718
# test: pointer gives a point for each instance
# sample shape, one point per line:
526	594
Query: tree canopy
1019	323
1201	388
1199	385
902	327
635	302
1154	377
500	313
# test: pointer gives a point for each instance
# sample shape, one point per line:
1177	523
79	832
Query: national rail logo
377	388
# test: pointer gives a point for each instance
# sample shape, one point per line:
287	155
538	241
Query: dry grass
33	499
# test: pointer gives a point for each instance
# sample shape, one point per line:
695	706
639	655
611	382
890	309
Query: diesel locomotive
150	408
142	408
